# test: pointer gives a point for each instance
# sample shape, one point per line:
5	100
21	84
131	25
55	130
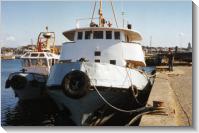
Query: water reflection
31	113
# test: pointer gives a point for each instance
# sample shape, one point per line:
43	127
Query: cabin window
108	34
50	55
97	53
27	54
26	63
34	55
113	62
98	35
34	62
97	60
88	35
39	62
46	50
117	35
41	55
79	35
42	62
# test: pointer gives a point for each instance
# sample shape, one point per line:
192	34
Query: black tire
76	84
7	85
18	82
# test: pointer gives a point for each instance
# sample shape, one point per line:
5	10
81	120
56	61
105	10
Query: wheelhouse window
79	35
42	62
97	60
34	62
87	34
108	34
98	35
113	62
49	55
41	55
34	55
97	53
117	35
39	62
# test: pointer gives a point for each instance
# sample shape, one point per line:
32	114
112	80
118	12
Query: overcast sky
169	22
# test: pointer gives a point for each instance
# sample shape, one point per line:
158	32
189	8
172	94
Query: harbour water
15	112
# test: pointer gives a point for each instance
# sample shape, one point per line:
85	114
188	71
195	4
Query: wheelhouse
103	45
38	61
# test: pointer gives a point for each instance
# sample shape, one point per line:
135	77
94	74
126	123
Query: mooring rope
109	104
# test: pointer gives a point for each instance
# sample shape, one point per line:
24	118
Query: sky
168	23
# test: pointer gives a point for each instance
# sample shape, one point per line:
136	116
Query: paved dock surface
175	90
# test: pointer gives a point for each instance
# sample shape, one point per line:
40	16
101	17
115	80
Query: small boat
101	75
7	56
29	83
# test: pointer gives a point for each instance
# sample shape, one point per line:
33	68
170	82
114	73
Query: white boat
101	73
29	83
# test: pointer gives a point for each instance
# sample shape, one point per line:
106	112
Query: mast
150	43
101	18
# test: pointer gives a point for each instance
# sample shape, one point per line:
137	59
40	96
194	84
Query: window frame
115	37
113	62
109	34
89	35
98	36
97	60
79	37
97	53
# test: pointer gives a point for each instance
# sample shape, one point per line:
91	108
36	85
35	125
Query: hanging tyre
18	82
76	84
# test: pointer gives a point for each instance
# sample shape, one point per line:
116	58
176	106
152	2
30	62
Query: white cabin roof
133	35
35	55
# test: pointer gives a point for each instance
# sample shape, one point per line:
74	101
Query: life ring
18	82
76	84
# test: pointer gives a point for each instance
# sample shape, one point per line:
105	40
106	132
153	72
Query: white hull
100	74
32	89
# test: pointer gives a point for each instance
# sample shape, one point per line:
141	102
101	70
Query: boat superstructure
101	73
29	83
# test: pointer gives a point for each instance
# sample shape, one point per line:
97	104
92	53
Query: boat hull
27	86
101	103
92	110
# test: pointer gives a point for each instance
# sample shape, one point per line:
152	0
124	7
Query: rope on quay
134	119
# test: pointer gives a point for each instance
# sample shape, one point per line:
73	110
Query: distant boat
7	56
101	73
29	83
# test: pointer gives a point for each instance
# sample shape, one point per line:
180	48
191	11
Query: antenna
31	41
150	43
47	28
123	13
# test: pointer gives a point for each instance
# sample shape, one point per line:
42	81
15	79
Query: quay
174	91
